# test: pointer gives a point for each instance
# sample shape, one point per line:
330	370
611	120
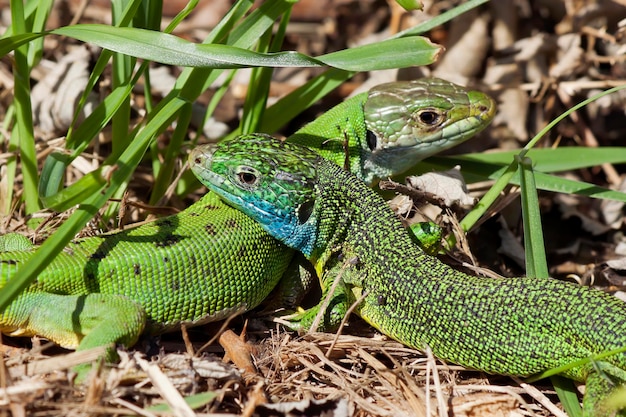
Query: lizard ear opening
305	210
371	139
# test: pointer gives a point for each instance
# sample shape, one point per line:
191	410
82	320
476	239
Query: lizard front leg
78	322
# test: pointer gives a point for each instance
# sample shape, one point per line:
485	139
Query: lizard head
408	121
269	180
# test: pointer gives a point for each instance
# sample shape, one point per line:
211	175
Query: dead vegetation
318	374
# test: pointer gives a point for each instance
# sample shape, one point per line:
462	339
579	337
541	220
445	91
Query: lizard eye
429	117
371	140
247	176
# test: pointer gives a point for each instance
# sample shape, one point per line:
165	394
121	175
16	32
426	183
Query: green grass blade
576	364
234	20
531	144
250	29
172	50
550	182
23	113
440	19
149	15
487	200
124	12
52	175
409	5
53	245
567	394
170	159
169	49
215	101
289	106
11	165
536	264
258	90
94	76
554	159
277	115
67	198
480	171
182	15
29	9
194	401
56	163
261	78
390	53
35	49
13	42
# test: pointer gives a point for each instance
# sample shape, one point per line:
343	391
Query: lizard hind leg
296	283
327	315
602	381
76	322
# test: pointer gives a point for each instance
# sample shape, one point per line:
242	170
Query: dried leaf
447	185
55	97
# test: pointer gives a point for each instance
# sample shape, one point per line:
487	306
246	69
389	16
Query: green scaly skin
211	261
516	326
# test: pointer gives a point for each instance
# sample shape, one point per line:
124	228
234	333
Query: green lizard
516	326
211	261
